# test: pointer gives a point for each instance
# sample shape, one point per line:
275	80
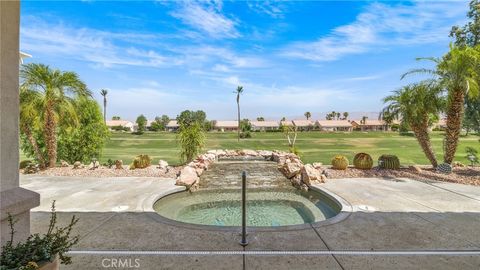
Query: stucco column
13	199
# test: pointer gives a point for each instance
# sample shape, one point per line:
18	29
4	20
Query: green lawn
315	146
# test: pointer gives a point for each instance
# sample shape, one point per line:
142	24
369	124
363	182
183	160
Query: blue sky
162	57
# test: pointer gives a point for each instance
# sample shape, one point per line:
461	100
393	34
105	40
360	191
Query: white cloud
274	9
207	17
381	26
90	45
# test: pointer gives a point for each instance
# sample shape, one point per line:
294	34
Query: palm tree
307	115
457	73
415	104
239	91
29	121
104	93
57	90
345	115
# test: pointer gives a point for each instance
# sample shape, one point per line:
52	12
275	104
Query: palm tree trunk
50	136
423	138
238	110
36	149
454	124
105	110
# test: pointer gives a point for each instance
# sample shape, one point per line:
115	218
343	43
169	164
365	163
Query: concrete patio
388	214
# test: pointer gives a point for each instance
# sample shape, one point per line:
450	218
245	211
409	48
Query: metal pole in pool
244	241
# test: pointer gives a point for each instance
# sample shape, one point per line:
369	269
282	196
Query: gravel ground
151	171
462	175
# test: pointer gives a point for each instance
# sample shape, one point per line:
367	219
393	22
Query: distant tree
345	116
115	117
291	133
245	125
260	118
364	120
141	123
283	119
471	121
187	118
104	93
387	118
238	91
338	116
469	34
307	115
164	119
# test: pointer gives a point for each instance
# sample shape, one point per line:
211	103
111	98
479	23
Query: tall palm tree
457	73
307	115
104	93
239	91
57	91
415	104
29	120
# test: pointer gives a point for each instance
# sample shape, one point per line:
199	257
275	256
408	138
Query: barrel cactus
363	161
339	162
444	168
389	162
140	162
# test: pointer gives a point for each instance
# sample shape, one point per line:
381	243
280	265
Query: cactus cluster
389	162
339	162
140	162
363	161
444	168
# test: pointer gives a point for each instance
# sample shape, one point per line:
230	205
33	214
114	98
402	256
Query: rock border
302	176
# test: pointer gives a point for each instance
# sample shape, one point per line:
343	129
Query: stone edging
301	175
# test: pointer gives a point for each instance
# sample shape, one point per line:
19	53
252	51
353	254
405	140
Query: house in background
264	125
172	126
225	126
370	125
304	125
127	125
334	125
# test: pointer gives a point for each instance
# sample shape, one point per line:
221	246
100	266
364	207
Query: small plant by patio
38	249
472	155
363	161
389	162
141	162
339	162
444	168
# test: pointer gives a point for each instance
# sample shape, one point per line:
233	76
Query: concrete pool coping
345	211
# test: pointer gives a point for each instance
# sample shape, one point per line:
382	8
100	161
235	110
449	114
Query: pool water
265	207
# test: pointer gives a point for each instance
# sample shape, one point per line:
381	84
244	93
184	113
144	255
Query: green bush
363	161
192	139
339	162
245	135
24	163
141	162
389	162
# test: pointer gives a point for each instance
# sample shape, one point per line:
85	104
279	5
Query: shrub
24	163
389	162
141	162
340	162
444	168
245	135
109	163
472	155
295	150
38	248
363	161
192	139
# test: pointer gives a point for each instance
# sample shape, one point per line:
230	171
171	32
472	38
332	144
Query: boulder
118	164
290	169
94	165
248	152
188	177
266	154
162	164
317	165
323	178
310	174
77	165
63	163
